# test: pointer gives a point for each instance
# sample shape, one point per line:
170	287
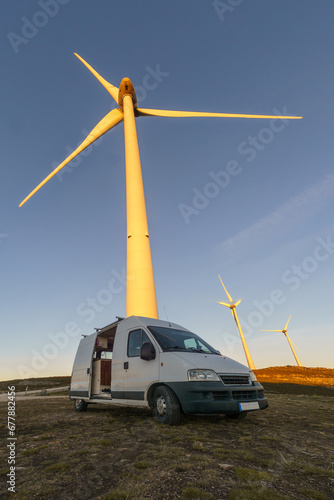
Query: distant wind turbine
140	296
232	305
289	340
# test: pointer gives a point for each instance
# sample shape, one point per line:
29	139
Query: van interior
102	361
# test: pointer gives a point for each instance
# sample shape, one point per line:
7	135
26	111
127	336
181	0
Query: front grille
220	396
235	379
243	395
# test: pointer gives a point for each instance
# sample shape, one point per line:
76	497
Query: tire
237	416
166	406
80	405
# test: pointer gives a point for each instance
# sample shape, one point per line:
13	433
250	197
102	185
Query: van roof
135	321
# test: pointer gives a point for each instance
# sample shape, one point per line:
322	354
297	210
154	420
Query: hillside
35	383
323	377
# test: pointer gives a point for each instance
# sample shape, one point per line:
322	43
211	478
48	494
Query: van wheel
166	406
80	405
237	416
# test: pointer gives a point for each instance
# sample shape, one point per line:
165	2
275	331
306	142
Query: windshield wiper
175	347
202	350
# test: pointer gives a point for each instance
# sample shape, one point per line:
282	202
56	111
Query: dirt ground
283	452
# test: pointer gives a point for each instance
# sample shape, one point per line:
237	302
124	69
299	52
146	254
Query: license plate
254	405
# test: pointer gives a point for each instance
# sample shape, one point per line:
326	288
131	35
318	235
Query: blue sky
251	200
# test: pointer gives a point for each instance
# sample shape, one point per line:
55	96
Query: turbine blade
292	342
286	326
187	114
113	91
234	314
110	120
237	303
228	295
271	331
224	304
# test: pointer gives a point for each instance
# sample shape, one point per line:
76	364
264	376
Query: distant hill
35	383
323	377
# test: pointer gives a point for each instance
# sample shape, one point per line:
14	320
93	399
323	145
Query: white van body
147	362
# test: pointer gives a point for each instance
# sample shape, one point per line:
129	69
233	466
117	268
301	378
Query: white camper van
147	362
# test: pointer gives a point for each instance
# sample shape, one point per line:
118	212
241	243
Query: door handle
126	365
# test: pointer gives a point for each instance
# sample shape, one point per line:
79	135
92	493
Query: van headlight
203	375
252	377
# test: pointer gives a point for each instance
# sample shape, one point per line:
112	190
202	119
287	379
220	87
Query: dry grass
123	454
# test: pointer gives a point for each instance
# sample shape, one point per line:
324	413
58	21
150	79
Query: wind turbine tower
232	305
288	338
140	291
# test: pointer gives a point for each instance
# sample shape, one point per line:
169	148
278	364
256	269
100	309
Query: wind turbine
141	297
232	305
289	340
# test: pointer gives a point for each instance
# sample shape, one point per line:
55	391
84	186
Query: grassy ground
306	390
106	453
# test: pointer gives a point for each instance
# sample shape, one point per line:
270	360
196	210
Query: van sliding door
82	368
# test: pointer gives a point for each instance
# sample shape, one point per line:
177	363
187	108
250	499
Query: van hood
220	364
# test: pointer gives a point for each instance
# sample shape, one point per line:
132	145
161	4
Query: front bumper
215	397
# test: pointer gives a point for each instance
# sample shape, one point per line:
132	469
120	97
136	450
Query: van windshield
171	339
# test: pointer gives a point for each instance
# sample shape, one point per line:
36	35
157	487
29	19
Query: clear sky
251	200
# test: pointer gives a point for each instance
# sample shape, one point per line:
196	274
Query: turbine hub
126	88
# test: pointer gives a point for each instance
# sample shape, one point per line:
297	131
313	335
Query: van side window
136	339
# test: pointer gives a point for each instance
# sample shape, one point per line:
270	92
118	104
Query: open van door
82	368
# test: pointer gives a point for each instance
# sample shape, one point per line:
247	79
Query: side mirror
147	351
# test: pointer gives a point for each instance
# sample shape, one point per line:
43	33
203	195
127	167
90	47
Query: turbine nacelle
232	305
126	88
